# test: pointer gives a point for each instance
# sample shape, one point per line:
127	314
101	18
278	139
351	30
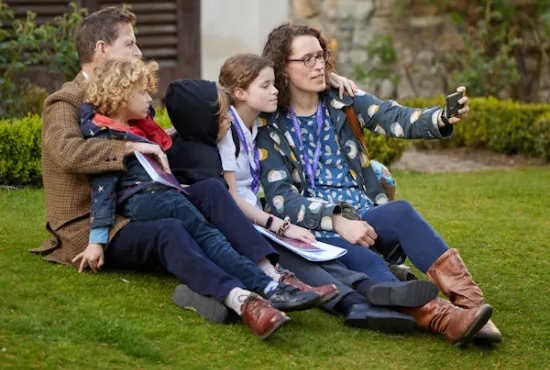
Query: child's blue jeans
169	203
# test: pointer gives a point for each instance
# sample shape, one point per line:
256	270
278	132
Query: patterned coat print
332	178
283	173
67	159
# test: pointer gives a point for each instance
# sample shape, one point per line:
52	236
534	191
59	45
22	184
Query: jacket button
310	222
347	149
108	160
113	158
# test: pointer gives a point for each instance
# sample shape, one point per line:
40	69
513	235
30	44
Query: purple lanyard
310	168
254	172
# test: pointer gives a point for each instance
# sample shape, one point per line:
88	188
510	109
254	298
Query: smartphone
451	104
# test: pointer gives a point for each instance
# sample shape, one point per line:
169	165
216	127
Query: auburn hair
239	71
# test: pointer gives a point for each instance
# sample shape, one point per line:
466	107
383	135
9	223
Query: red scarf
146	128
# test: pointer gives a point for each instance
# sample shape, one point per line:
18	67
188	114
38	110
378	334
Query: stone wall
421	34
235	26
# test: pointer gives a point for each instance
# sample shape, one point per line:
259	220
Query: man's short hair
100	26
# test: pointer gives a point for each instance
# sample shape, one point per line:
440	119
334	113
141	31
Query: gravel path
459	160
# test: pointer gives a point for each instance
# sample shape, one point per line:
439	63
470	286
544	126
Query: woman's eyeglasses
311	60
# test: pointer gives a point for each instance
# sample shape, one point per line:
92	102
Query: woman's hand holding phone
456	110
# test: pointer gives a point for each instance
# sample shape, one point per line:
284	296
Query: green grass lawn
52	317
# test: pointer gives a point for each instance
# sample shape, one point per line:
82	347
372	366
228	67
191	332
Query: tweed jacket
283	172
67	160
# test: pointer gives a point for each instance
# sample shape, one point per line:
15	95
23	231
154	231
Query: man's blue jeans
168	203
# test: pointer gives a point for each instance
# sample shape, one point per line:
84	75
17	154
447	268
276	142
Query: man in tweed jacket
68	159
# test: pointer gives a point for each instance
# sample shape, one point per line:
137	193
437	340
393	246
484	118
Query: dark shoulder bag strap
236	140
356	128
358	132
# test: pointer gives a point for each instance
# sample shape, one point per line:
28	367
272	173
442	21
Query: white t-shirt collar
249	135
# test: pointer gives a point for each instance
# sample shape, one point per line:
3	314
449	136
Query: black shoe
288	298
362	315
402	272
206	307
415	293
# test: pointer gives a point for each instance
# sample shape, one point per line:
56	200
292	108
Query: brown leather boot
326	292
451	276
457	324
261	317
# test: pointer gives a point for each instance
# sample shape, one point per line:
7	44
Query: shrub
503	48
33	98
62	56
384	149
27	44
161	118
19	48
541	133
20	143
502	126
20	148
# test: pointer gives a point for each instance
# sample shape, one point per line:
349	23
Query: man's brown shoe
261	317
457	324
326	292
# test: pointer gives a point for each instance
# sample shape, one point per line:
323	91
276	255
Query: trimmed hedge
541	132
502	126
20	148
385	149
20	144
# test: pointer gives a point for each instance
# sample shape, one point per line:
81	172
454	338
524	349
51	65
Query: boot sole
482	317
487	340
386	325
303	306
414	293
206	307
274	329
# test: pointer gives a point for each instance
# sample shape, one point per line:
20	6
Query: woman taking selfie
316	172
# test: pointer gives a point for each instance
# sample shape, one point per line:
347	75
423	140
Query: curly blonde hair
112	83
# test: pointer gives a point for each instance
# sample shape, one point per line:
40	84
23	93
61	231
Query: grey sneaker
206	307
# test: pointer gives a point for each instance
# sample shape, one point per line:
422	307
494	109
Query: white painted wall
236	26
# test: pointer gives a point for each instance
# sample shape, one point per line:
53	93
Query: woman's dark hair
278	49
